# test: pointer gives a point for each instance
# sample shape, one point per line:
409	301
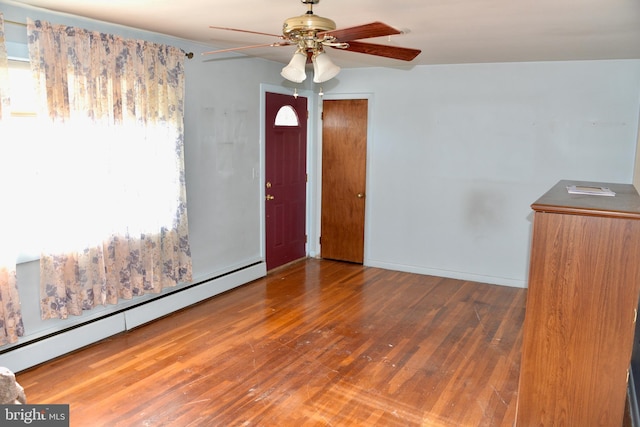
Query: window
22	91
107	167
52	202
287	116
21	173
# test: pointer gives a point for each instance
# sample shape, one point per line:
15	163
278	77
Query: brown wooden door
285	179
344	154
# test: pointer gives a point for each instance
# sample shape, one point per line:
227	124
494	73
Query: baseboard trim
634	411
55	345
502	281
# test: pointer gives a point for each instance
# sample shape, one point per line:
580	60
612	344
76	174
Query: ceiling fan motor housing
303	29
303	24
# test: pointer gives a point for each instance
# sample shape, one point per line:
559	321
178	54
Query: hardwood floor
319	343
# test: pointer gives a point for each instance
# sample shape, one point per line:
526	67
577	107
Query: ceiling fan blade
245	31
374	29
395	52
233	49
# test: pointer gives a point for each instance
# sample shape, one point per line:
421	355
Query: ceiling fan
312	33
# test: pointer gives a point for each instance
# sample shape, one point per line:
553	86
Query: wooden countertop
626	202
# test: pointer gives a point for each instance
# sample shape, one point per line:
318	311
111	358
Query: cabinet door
579	325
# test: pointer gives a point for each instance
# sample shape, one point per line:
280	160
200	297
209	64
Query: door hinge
322	116
320	240
306	238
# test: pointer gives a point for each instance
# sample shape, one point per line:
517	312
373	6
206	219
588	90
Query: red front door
285	178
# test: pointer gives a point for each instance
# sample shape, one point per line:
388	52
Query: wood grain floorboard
319	343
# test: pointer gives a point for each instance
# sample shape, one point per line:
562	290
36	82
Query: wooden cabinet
584	283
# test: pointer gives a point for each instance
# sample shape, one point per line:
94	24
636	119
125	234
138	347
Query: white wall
223	165
458	153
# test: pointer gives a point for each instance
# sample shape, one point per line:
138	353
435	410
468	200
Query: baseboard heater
48	347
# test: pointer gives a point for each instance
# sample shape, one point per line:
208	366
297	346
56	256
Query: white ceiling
447	31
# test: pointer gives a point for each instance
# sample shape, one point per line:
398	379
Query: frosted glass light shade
323	68
295	70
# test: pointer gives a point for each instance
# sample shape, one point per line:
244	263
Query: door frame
315	246
259	170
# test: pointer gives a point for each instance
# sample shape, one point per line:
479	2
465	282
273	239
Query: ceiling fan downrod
310	3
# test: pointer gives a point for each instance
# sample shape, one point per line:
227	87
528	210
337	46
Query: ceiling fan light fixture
295	70
323	68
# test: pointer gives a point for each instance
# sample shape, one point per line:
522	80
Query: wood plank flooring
319	343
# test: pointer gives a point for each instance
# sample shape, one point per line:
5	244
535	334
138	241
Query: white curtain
11	326
112	167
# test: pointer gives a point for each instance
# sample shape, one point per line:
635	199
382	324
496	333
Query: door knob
360	195
269	197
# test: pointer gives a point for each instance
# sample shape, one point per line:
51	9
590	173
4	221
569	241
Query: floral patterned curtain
4	71
11	326
115	190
